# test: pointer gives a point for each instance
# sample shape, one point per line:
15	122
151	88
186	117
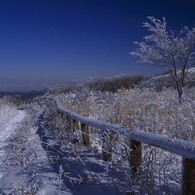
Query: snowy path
32	174
9	119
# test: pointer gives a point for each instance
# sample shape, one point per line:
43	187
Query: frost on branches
163	47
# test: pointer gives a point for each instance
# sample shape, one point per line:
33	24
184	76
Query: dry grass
147	110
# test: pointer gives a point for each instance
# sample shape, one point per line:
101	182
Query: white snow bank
9	118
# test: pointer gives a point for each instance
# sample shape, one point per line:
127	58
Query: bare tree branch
164	48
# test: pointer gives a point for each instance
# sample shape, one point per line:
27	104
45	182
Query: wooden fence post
188	177
75	124
135	156
69	122
85	134
107	141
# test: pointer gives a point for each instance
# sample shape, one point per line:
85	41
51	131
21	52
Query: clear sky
70	39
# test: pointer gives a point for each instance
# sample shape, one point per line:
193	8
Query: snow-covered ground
147	110
38	156
24	165
10	117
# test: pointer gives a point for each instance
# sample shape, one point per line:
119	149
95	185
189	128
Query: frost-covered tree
163	47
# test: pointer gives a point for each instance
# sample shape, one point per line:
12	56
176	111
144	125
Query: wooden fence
186	149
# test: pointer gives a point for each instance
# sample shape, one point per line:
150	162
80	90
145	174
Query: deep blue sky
68	39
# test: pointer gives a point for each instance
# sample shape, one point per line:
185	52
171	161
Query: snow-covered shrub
142	109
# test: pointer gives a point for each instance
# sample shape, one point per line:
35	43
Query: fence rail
186	149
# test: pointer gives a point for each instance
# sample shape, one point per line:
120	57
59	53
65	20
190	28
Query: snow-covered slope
165	80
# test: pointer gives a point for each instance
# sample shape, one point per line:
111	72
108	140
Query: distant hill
23	95
24	85
27	89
